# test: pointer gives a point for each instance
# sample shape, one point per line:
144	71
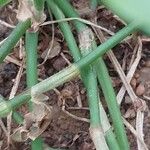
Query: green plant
31	73
13	38
88	63
64	75
4	2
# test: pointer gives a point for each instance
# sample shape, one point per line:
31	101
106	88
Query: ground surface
65	131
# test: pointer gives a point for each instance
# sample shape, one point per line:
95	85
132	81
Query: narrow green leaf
4	2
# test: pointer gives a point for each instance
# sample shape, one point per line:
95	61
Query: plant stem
109	135
31	74
77	24
4	2
65	28
106	84
89	80
37	144
87	74
13	38
39	7
69	72
113	107
31	60
19	100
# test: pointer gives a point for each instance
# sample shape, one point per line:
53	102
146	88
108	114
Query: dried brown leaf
35	122
55	50
130	113
20	134
24	10
27	10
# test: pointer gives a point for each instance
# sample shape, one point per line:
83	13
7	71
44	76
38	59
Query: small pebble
140	90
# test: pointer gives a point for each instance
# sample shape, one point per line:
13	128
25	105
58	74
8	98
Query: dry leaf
54	51
24	10
38	122
130	113
35	122
27	10
19	135
86	38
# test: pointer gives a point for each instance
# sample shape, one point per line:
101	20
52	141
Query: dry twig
51	43
6	24
12	94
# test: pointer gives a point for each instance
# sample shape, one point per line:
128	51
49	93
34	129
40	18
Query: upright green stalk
65	28
93	106
91	80
39	9
87	73
110	97
76	55
112	105
13	38
31	58
31	73
39	5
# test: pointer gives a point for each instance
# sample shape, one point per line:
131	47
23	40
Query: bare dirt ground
65	131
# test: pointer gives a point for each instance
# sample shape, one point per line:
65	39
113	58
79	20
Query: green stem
4	2
31	74
65	28
31	60
37	144
87	74
19	100
112	105
107	129
39	5
13	38
69	72
69	9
